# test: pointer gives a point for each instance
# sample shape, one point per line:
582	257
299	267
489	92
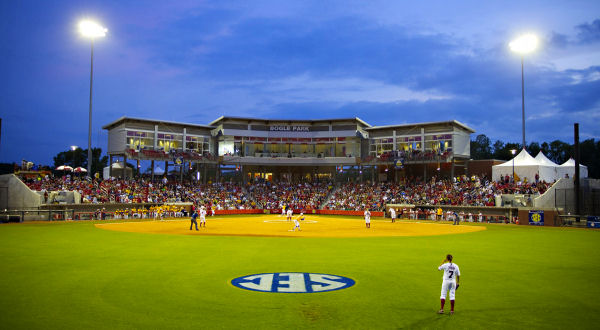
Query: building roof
212	124
143	120
289	120
432	123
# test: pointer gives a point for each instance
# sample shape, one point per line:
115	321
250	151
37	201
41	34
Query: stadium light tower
92	30
513	152
524	44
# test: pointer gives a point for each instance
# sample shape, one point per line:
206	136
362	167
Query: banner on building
536	218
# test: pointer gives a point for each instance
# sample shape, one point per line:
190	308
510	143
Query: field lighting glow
524	44
92	29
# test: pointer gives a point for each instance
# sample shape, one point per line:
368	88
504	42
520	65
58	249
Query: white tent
158	171
568	167
118	171
525	166
542	159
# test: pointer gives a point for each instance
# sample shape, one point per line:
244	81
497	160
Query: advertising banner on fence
536	218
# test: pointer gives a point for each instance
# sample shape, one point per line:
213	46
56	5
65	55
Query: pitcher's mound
314	226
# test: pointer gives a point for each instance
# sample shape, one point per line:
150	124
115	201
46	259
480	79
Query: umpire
194	222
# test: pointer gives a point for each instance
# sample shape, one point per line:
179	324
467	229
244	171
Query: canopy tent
119	170
568	167
526	166
159	171
542	159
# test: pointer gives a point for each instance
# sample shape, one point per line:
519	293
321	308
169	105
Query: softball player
450	282
393	214
296	225
202	216
289	214
368	218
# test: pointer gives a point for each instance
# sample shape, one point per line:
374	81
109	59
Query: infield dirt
277	226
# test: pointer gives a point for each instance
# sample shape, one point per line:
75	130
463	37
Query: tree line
557	151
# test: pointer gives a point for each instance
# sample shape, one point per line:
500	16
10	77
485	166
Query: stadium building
284	150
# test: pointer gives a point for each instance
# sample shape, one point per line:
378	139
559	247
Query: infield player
368	218
296	225
449	282
289	214
282	210
301	216
393	214
202	216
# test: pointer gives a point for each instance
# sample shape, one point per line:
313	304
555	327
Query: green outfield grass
76	276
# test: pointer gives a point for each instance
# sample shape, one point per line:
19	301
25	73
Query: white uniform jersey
451	270
393	213
367	216
202	214
289	212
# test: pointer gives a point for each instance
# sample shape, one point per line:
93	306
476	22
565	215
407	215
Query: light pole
513	152
523	45
92	30
73	148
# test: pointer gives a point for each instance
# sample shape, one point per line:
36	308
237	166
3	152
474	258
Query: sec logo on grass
292	282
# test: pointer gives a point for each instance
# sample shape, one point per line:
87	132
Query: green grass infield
73	275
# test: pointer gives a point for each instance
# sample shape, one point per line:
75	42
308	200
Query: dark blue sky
387	62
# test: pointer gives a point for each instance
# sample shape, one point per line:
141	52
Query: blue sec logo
292	282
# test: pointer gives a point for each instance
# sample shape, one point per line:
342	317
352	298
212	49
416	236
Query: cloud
589	32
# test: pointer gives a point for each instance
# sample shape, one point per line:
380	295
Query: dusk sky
386	62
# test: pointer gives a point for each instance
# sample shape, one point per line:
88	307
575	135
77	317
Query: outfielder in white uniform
289	214
393	214
449	283
202	217
368	218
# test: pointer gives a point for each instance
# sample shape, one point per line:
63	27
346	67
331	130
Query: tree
589	154
560	151
481	147
534	148
498	150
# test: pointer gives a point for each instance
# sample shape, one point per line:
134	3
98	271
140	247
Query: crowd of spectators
221	196
472	191
298	196
414	155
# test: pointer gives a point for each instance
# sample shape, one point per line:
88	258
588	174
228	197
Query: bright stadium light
524	44
92	30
